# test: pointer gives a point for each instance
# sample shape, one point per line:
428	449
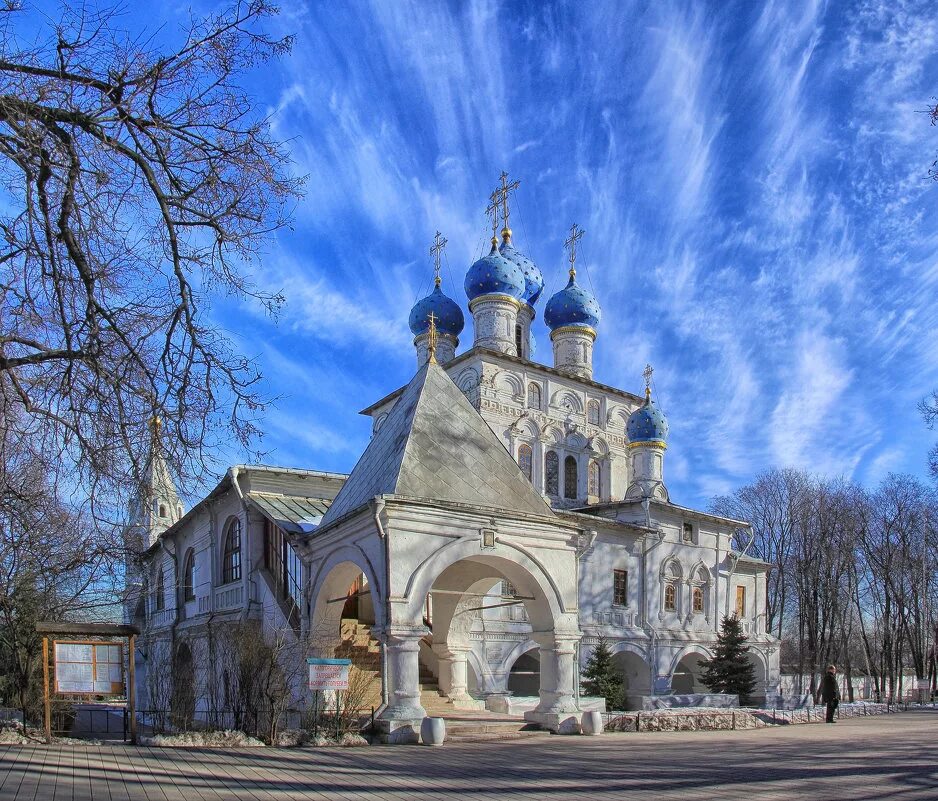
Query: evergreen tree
602	678
730	670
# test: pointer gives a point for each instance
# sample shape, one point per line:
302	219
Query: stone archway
458	571
636	675
686	673
759	693
329	591
524	676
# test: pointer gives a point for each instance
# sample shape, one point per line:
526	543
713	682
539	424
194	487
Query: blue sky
752	178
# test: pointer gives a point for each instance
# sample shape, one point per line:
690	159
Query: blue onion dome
495	275
647	423
572	305
533	278
449	319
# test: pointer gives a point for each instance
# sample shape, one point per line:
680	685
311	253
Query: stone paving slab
886	757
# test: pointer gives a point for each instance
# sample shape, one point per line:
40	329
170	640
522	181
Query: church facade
504	516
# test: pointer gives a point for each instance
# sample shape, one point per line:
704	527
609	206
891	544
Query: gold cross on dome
431	339
647	373
505	190
576	233
436	250
492	211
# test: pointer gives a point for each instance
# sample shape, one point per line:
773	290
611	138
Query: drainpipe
646	624
729	577
249	575
588	537
378	508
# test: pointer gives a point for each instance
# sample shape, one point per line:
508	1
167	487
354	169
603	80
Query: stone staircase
358	645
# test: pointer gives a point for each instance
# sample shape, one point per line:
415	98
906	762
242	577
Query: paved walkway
887	757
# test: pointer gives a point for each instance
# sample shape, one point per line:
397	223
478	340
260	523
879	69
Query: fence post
734	721
638	717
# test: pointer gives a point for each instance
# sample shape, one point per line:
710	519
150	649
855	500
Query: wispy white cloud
750	176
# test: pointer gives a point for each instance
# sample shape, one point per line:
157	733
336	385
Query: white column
403	675
557	673
453	671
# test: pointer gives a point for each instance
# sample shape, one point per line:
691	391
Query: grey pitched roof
435	445
293	513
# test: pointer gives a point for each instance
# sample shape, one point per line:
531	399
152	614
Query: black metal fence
262	724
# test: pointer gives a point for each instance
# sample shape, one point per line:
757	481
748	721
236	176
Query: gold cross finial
492	211
576	233
431	339
647	373
436	250
505	190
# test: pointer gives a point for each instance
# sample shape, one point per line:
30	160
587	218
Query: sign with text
91	667
328	674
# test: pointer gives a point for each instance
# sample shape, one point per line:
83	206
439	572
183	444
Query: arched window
670	596
179	512
162	510
552	473
518	338
188	576
698	599
592	412
160	600
569	477
525	459
594	478
534	396
231	560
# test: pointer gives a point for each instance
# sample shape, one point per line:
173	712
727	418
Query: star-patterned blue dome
647	423
449	319
572	305
533	278
495	275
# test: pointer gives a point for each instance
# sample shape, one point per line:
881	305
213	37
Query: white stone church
503	517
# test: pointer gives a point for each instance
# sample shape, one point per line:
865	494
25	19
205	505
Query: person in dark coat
830	692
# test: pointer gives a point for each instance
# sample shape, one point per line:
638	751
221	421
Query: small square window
488	538
688	532
620	587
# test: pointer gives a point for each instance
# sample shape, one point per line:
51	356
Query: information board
328	674
89	668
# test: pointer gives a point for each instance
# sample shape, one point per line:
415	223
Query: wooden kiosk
89	666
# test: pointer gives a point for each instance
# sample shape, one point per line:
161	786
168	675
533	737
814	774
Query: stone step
481	737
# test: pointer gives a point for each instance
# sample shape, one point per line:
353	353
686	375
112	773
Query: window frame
740	608
571	478
526	460
552	483
286	570
594	484
159	600
688	532
534	391
620	587
670	588
188	576
231	556
590	406
698	593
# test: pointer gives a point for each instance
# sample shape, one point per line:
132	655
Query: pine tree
730	670
602	678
